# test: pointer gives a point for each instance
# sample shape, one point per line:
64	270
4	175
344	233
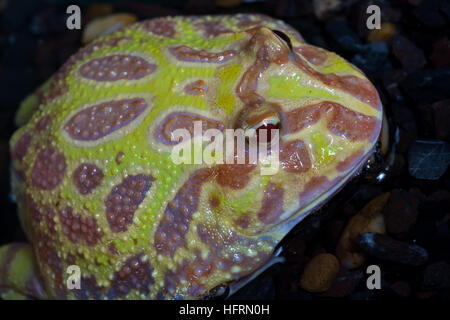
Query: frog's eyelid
283	36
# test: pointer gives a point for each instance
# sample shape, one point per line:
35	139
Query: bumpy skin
95	184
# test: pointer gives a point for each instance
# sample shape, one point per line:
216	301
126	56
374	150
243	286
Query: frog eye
264	120
283	36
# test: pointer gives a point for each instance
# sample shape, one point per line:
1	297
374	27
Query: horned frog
95	184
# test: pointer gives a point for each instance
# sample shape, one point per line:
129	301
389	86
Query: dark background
410	67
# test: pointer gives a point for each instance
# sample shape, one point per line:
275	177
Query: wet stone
401	288
386	248
262	288
437	275
427	86
428	159
401	211
441	117
16	83
428	13
404	116
20	51
384	34
410	56
324	9
341	33
441	53
373	58
345	283
391	80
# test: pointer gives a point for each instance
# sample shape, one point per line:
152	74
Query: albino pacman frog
95	184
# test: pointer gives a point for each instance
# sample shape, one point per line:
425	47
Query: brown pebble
368	219
384	34
401	288
320	273
401	211
107	25
98	10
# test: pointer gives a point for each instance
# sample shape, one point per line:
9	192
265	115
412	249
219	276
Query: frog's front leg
19	273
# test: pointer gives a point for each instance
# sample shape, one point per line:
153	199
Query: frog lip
287	226
284	227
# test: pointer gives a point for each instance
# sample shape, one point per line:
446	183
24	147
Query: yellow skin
98	188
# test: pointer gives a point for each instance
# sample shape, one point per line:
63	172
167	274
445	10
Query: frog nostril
283	36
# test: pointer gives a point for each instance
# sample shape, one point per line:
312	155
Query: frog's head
327	115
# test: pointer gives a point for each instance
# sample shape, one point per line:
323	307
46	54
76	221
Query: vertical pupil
268	127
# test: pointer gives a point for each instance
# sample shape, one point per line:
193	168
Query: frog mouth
287	225
227	290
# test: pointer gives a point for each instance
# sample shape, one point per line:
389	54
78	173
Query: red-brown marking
300	118
272	204
42	124
212	28
340	120
160	27
361	89
294	157
48	258
234	176
267	53
196	88
38	212
193	272
350	162
125	199
185	53
214	238
48	169
246	89
135	274
58	85
312	54
314	189
112	249
175	222
20	149
196	272
243	222
214	201
100	120
351	124
87	177
77	227
249	21
116	67
89	289
19	174
183	120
